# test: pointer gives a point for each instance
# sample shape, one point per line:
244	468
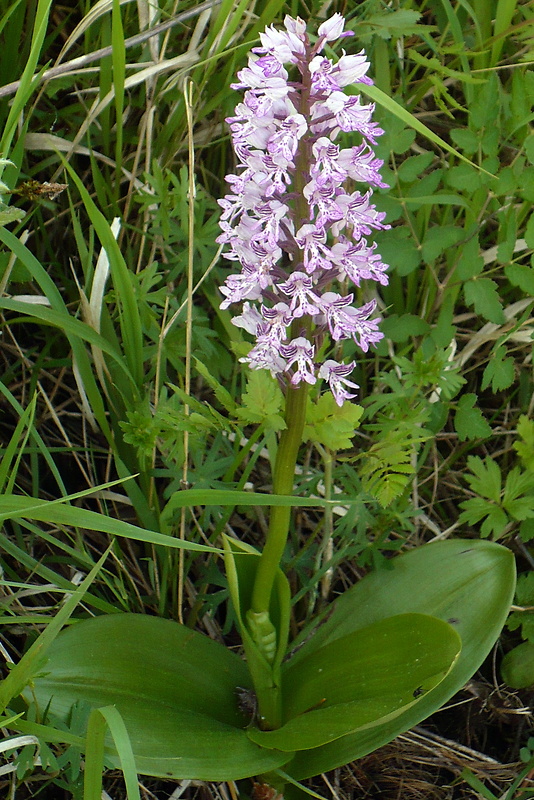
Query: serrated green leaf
522	276
401	22
399	250
525	448
223	395
478	508
389	487
439	239
517	668
331	425
507	237
400	328
469	421
483	295
464	178
466	140
10	214
414	166
500	371
526	534
521	509
518	482
262	401
529	232
470	262
486	477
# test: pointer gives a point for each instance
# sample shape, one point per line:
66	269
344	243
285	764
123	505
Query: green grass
121	383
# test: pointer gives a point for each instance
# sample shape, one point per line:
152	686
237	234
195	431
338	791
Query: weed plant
124	405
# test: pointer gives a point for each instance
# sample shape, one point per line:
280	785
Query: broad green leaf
362	680
174	688
470	584
469	421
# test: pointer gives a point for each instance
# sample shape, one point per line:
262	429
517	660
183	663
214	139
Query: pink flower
288	219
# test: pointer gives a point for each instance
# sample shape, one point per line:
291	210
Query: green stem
264	634
284	473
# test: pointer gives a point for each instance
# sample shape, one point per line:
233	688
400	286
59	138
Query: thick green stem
284	473
258	618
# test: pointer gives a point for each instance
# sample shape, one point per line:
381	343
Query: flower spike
290	219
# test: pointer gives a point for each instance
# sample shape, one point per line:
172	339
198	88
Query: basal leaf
468	583
174	688
362	680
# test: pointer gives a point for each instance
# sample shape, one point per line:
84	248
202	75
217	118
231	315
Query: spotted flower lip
300	208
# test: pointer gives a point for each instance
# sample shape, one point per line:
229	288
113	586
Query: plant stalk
283	478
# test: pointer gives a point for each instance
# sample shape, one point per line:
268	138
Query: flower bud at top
292	219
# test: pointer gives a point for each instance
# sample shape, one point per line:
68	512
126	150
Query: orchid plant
393	648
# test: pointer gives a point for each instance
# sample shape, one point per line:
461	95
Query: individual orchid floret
336	375
300	352
300	208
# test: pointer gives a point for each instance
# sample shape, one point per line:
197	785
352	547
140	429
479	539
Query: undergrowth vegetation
123	399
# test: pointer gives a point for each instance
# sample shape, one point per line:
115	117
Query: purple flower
336	375
289	219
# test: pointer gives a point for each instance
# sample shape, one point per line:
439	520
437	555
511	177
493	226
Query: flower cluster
290	220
